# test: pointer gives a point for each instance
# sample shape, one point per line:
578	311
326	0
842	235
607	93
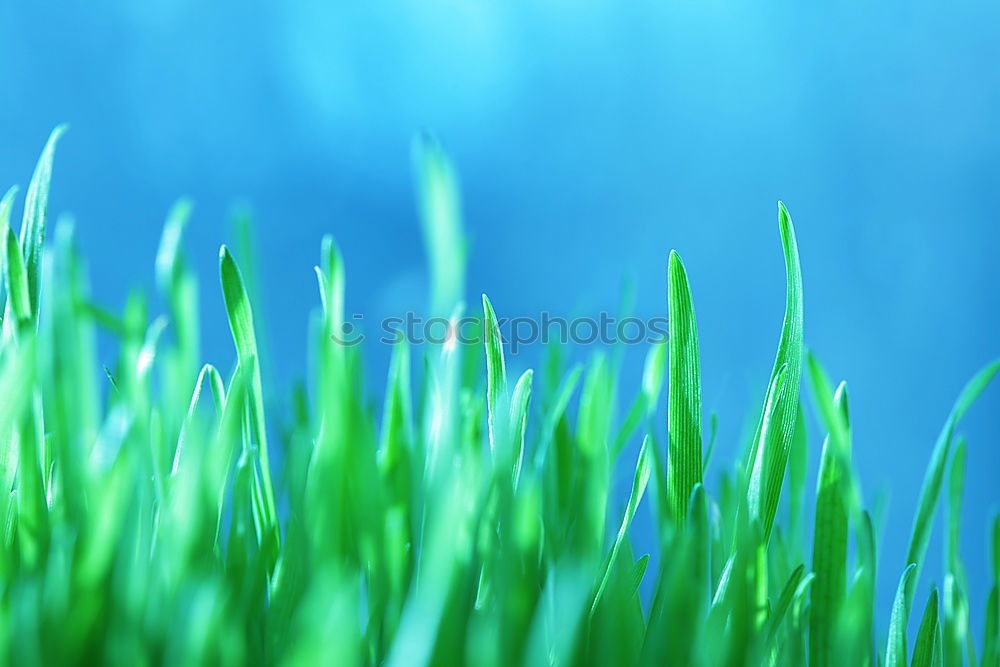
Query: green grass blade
209	375
519	418
642	470
713	427
168	256
653	371
241	324
927	648
956	622
956	482
773	442
829	549
441	219
6	204
33	225
16	280
496	374
699	529
684	392
895	652
991	629
931	487
756	484
797	470
784	601
829	561
556	413
995	550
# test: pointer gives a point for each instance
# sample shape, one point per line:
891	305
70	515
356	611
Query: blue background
591	137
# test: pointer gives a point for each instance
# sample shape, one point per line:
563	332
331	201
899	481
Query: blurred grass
470	522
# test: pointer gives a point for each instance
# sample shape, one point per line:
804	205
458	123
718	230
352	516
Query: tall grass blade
931	487
684	392
777	425
242	326
829	550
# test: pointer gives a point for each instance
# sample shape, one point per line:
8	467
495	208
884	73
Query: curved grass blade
784	601
639	482
895	651
637	574
931	487
496	373
16	280
241	323
956	482
955	625
756	484
684	392
519	418
209	375
168	256
772	443
36	203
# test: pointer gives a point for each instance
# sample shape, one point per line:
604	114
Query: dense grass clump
469	520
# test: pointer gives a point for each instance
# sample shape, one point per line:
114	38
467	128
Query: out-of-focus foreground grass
468	520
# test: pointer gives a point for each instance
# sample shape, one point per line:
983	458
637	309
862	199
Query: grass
469	520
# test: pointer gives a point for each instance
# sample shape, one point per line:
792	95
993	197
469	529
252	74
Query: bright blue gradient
591	138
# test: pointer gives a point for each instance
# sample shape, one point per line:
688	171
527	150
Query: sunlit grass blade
36	204
242	326
756	485
684	392
519	418
895	651
212	377
775	432
496	375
